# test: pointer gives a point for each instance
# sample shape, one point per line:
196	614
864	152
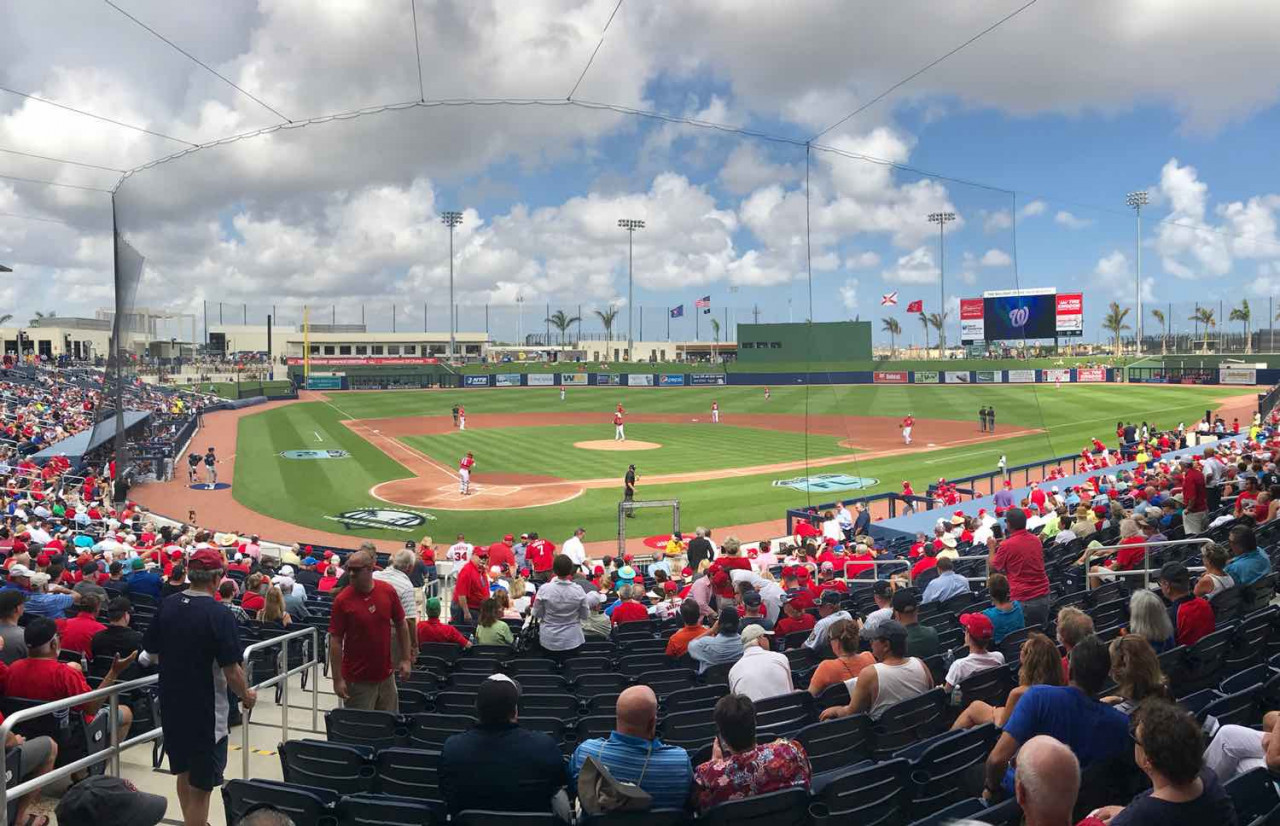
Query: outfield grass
684	448
305	492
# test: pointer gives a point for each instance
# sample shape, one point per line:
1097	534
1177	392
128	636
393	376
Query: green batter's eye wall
823	341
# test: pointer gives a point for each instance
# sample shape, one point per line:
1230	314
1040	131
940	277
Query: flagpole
668	325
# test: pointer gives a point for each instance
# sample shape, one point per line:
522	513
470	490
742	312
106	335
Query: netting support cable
808	325
111	121
59	160
54	183
594	52
417	48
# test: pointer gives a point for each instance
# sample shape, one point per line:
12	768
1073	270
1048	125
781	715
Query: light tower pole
630	225
520	320
942	219
451	218
1138	200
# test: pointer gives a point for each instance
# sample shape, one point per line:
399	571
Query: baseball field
383	465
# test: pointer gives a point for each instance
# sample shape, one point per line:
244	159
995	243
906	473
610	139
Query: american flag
889	299
678	312
703	303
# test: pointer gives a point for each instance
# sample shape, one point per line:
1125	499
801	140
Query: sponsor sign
1091	374
475	381
986	376
1070	314
925	377
956	377
572	378
324	382
315	454
506	380
896	377
1057	374
971	325
671	380
331	361
542	379
611	379
640	379
380	518
1021	376
704	379
826	483
1147	380
1237	375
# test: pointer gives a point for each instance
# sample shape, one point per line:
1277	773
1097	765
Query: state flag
915	307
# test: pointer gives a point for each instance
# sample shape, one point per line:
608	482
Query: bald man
1047	782
632	743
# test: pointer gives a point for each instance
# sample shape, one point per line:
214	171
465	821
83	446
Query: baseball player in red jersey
907	424
621	409
766	394
462	417
464	473
619	435
715	412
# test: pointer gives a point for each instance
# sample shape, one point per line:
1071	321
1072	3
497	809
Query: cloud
997	221
849	294
996	258
747	169
916	267
1034	208
862	260
1113	274
1066	219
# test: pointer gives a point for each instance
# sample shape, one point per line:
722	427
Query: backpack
600	792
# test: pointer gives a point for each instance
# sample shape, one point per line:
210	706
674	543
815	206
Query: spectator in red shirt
539	555
360	625
40	676
731	559
1021	557
630	609
929	560
794	619
433	630
472	586
1194	498
77	632
1192	616
255	591
500	553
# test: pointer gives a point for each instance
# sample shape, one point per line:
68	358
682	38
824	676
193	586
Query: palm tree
1243	314
894	329
715	332
35	322
562	322
1114	323
606	318
4	318
938	321
1158	315
924	321
1204	315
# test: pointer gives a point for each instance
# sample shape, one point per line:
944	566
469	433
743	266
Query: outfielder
907	424
619	435
462	418
766	394
562	392
464	473
715	412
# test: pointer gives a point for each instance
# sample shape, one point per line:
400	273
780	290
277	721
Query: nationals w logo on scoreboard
1019	316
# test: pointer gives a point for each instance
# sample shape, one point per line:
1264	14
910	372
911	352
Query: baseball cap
948	541
433	607
594	598
979	626
39	631
882	588
890	630
752	599
905	600
109	801
286	570
508	538
670	587
311	560
753	632
1176	574
208	560
831	597
137	563
19	570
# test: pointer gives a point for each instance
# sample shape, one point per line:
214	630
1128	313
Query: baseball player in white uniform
715	412
462	418
619	435
464	473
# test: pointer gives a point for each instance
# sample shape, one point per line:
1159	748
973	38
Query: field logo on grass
925	377
826	483
381	518
315	454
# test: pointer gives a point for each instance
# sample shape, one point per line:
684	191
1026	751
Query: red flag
915	307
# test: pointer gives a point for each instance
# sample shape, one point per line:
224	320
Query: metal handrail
112	694
1146	556
283	679
875	563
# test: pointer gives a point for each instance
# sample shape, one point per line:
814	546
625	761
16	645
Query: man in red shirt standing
500	553
77	632
1194	498
1021	557
540	554
471	588
360	625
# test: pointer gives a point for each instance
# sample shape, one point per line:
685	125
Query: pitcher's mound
610	444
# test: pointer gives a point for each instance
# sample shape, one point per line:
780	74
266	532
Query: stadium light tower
451	218
630	225
942	219
1138	200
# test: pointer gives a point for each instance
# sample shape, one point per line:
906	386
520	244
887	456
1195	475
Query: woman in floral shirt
739	768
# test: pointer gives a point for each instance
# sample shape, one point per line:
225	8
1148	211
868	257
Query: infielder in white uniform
715	412
562	393
619	435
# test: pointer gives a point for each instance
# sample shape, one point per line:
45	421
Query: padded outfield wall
822	341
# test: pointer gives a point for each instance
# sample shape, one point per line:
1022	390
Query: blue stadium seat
691	729
430	730
341	768
949	769
476	817
303	804
1254	796
385	810
990	685
788	807
909	721
1241	708
409	773
358	727
702	697
836	745
784	715
874	794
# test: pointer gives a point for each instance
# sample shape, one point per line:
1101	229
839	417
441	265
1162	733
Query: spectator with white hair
699	548
1047	782
397	576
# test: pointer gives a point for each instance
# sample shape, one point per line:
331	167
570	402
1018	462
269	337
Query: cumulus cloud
996	258
862	260
1066	219
849	294
916	267
997	221
1034	208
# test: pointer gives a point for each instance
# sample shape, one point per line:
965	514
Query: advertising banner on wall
1021	376
1237	375
1070	314
506	380
704	379
542	379
324	382
475	381
1091	374
671	380
956	377
611	379
986	376
572	378
972	328
1057	374
895	377
640	379
346	361
925	377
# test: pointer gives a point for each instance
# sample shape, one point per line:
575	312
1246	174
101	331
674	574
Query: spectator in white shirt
829	612
397	576
574	549
760	673
882	593
766	558
845	519
978	634
659	563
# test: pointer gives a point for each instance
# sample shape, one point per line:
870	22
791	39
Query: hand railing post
113	710
315	678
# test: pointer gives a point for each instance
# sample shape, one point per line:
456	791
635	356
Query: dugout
822	341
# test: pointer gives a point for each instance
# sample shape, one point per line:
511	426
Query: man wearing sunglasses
360	639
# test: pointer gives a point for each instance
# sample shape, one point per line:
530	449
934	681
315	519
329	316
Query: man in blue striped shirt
633	753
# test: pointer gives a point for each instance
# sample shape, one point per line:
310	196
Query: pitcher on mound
619	435
907	424
715	412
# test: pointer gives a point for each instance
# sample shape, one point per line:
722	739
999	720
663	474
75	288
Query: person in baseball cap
911	676
109	801
978	634
923	640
